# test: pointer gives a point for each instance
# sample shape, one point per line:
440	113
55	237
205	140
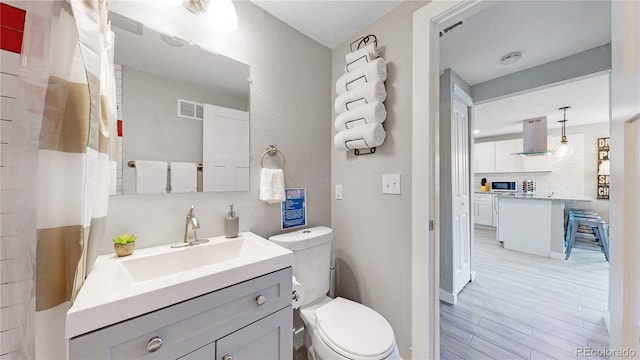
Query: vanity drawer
188	325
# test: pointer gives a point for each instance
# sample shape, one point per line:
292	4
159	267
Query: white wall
289	108
576	174
372	231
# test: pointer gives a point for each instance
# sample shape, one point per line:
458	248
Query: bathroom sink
172	263
118	289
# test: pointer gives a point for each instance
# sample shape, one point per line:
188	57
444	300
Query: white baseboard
473	276
557	256
448	297
607	319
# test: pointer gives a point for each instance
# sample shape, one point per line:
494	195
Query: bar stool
586	220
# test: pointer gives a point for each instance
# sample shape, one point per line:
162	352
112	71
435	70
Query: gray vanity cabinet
249	320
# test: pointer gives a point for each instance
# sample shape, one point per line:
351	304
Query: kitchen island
534	223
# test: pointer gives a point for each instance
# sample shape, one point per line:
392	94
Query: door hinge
430	225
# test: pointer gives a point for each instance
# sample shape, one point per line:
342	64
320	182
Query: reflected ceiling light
476	131
563	141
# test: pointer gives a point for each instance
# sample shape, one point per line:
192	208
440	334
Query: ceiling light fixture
222	13
564	141
511	58
476	131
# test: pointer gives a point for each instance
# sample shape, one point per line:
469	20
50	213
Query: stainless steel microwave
504	186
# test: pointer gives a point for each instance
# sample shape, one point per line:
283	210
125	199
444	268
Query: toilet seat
354	330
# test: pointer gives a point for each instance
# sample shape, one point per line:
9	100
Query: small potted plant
124	244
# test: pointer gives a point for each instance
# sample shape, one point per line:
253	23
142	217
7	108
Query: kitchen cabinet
484	157
252	319
483	209
505	160
495	210
497	157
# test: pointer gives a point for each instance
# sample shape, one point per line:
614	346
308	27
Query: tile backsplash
567	177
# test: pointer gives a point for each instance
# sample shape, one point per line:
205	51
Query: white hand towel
371	71
374	113
361	56
360	95
272	185
184	177
151	177
360	137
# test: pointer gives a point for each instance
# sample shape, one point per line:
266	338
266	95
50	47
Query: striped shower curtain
71	43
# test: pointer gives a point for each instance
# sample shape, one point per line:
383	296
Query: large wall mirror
179	103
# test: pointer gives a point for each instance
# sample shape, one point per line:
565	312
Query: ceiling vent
190	110
511	58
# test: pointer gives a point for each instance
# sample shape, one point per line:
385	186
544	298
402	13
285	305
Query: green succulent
124	238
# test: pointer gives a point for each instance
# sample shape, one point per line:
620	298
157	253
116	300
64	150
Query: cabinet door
269	338
505	160
485	213
484	157
495	211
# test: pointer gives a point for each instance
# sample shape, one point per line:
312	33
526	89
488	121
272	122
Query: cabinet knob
227	357
154	344
259	300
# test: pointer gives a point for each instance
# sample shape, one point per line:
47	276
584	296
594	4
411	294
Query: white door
460	206
225	149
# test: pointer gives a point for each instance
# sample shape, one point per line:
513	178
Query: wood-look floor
526	307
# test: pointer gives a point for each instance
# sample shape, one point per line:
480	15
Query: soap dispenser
231	224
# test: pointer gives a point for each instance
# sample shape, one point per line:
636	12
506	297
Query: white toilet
334	328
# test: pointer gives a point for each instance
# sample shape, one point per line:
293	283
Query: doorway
427	22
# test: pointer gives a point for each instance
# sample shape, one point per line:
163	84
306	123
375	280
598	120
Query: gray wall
152	129
282	62
372	231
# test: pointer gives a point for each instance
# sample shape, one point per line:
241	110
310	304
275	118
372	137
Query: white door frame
624	292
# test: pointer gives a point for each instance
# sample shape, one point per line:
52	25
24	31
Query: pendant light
563	142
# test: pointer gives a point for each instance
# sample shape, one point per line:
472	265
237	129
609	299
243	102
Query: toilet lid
352	329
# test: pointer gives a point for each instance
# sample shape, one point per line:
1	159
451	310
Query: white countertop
111	294
538	196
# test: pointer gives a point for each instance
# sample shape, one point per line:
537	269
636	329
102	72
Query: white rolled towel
360	95
361	56
371	71
374	113
360	137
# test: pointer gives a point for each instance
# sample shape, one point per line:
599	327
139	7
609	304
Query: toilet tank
312	258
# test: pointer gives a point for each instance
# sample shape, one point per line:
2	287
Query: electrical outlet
391	184
338	191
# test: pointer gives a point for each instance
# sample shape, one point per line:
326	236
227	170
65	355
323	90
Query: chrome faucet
190	237
190	228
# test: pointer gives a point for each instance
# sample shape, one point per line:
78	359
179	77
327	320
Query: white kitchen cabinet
236	321
496	202
484	157
483	209
505	160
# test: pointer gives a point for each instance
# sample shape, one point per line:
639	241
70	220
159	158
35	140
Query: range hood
534	137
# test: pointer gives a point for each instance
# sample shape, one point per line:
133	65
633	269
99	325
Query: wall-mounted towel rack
362	41
132	164
273	151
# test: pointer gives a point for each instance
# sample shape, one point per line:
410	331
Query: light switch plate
391	184
338	191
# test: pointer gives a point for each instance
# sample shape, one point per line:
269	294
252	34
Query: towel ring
272	151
